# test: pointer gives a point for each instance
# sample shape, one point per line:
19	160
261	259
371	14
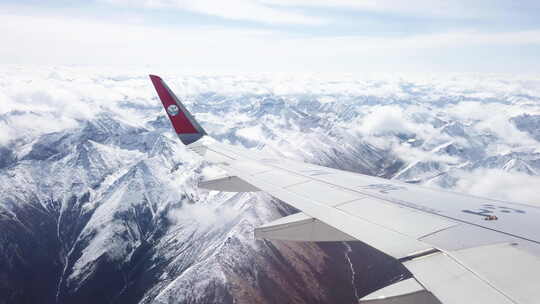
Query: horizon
269	36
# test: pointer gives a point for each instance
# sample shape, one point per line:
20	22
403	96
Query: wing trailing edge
228	184
300	227
408	291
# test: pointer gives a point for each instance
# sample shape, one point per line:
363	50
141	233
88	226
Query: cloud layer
51	38
449	130
250	10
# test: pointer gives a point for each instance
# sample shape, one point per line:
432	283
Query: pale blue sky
276	35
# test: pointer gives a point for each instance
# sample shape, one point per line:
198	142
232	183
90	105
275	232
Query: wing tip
155	78
184	124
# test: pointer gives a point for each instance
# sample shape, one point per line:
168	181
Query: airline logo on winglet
173	110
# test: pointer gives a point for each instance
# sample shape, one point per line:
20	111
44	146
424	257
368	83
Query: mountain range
99	200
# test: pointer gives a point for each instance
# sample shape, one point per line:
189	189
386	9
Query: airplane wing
459	248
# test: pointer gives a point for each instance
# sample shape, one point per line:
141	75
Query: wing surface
460	248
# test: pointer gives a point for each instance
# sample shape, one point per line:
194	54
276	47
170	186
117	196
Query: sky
350	36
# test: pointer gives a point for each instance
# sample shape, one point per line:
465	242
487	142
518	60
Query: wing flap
511	268
403	292
452	283
323	193
227	184
465	236
300	227
396	218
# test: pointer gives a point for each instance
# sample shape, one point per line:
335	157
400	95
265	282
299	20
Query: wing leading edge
460	248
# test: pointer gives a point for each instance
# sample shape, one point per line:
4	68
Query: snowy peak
421	171
512	162
528	123
518	165
104	129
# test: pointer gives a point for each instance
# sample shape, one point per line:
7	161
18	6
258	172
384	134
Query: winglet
186	127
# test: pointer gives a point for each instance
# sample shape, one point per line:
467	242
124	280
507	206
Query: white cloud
256	11
394	119
251	133
51	39
439	8
385	119
37	101
506	130
285	11
494	118
383	123
410	154
70	41
32	124
205	216
501	185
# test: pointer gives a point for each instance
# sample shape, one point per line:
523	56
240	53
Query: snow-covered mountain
99	203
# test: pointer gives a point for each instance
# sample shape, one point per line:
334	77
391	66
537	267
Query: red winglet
178	118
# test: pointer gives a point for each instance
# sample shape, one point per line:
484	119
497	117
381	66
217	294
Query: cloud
249	10
67	40
251	133
499	184
76	41
411	154
394	120
425	8
286	11
30	111
385	119
494	118
37	101
203	215
32	124
381	126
